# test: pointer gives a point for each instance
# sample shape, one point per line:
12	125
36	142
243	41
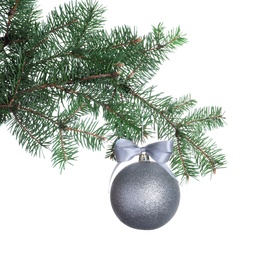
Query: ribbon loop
160	151
125	150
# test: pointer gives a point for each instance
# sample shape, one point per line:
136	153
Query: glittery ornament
144	195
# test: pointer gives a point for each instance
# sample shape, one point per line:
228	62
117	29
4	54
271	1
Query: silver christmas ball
144	195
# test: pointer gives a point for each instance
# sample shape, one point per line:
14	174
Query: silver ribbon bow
160	152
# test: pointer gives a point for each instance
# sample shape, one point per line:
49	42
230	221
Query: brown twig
133	73
26	130
69	82
135	41
5	106
11	14
36	113
84	132
161	46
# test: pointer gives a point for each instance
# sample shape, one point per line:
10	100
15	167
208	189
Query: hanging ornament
144	195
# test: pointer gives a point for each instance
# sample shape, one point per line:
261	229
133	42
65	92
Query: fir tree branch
205	118
176	129
11	14
184	166
35	113
132	73
26	130
65	157
75	112
162	46
18	83
135	41
5	106
84	132
52	31
201	120
69	82
58	78
154	108
179	135
212	163
70	91
158	47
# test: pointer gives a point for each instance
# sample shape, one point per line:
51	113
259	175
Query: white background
230	61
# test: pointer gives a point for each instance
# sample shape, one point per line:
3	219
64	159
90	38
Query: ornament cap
144	157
